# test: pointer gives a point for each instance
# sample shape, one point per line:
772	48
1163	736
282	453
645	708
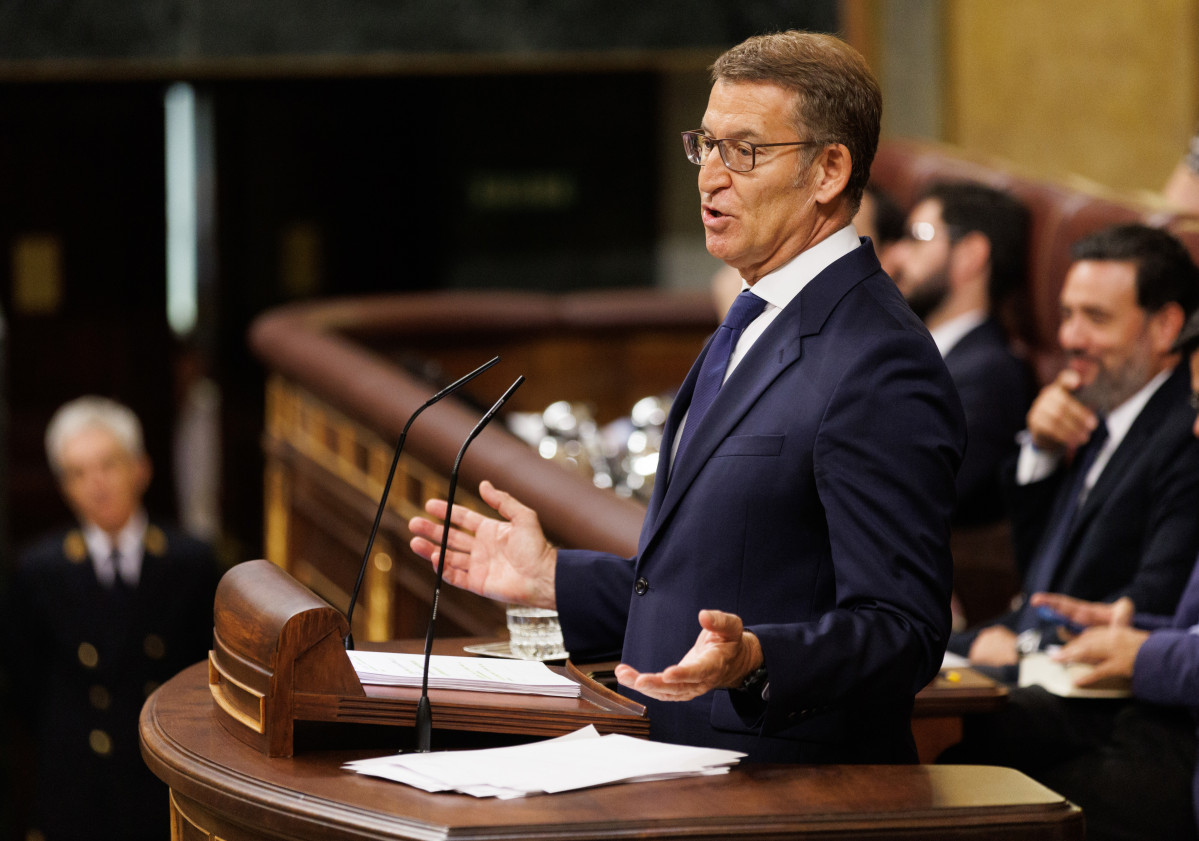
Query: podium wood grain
224	788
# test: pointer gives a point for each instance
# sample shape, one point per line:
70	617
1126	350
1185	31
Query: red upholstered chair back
1061	213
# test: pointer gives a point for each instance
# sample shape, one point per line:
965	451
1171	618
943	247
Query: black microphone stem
424	714
449	389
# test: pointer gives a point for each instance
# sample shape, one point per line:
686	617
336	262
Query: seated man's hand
995	645
1119	612
723	655
1112	649
1057	419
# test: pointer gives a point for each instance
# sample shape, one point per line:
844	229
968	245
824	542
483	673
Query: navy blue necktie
1049	554
746	307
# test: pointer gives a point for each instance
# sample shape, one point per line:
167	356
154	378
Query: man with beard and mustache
1130	764
1106	487
961	259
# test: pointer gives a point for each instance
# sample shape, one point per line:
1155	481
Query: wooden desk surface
959	692
222	787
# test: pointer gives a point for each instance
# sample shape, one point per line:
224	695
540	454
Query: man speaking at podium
800	514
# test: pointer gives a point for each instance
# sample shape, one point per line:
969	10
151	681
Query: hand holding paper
1110	649
1119	612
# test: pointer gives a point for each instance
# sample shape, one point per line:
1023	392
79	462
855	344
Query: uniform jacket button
641	587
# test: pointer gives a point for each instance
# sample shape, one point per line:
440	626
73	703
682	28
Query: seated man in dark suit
1129	765
103	611
963	257
1107	484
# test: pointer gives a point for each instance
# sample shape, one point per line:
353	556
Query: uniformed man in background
103	612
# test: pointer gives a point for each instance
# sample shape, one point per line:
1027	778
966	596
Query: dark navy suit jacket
996	388
813	502
87	669
1137	533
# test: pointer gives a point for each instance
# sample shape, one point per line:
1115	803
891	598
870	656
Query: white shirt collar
129	543
781	286
778	289
949	333
1121	418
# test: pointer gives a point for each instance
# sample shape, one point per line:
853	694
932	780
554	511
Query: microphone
424	715
449	389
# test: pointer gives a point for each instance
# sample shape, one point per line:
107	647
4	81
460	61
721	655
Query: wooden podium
221	788
222	736
278	659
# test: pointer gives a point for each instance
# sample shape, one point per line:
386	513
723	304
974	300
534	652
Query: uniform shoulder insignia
156	541
75	547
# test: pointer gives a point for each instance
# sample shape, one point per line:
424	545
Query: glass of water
534	633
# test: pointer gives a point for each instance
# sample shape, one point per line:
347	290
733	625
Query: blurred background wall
1104	90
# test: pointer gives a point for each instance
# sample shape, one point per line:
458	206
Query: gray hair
91	411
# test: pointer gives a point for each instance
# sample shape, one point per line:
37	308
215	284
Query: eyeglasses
927	232
738	155
922	232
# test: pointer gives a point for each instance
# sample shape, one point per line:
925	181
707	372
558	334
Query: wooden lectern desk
221	787
222	735
278	666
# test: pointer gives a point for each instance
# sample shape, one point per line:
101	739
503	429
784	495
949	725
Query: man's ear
833	168
1165	325
145	472
971	255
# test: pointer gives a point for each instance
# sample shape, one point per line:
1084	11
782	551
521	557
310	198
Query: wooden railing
345	376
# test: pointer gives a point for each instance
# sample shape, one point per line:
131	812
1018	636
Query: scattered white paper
476	674
578	760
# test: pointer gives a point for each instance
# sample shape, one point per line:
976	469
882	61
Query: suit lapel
1131	448
776	349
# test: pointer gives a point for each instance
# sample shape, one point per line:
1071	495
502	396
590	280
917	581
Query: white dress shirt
949	333
129	543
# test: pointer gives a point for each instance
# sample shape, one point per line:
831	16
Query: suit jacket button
641	587
100	742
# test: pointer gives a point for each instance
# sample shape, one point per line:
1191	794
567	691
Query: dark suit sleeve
1166	670
885	458
593	600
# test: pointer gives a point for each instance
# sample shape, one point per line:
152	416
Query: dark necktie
746	307
118	598
1049	555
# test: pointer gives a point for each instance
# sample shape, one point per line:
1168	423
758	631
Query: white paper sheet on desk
476	674
579	760
1039	669
954	661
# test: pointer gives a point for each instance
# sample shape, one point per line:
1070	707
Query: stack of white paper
476	674
579	760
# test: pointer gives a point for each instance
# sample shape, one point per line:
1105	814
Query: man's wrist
756	679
